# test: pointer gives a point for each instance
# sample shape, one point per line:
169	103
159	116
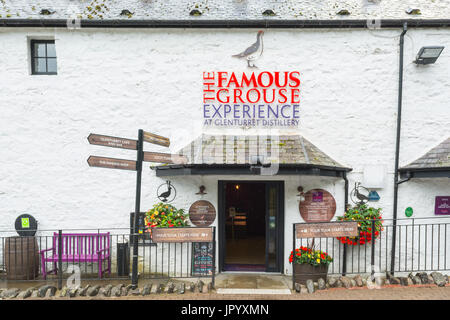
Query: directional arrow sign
155	139
164	157
112	163
114	142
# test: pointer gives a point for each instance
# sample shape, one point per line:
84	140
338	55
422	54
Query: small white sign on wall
374	176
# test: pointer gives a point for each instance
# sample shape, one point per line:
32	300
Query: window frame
34	56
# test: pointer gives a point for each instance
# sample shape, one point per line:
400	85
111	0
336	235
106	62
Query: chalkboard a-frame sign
202	258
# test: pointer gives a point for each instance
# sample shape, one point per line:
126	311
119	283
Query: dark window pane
51	51
39	49
39	65
51	65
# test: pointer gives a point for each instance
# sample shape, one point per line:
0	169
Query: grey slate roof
224	9
438	157
230	149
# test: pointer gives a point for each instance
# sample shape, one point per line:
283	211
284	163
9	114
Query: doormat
245	267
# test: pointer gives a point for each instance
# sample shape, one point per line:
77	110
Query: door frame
222	216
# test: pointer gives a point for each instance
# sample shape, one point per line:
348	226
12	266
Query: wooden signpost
182	235
155	139
327	230
111	163
113	142
164	157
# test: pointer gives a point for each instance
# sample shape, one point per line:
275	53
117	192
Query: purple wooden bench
79	247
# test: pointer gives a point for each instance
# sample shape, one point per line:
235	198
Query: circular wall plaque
319	205
202	213
26	225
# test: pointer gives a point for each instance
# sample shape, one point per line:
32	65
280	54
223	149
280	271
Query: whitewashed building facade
122	66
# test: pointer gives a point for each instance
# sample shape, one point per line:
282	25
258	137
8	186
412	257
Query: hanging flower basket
309	264
364	215
164	215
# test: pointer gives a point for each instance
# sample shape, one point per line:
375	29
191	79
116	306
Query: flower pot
305	271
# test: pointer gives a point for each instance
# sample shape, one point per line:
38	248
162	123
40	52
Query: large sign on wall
319	205
251	99
442	205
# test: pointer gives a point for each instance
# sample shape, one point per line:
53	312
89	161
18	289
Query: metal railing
29	258
420	246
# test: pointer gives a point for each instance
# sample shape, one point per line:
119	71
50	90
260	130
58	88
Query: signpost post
111	163
140	155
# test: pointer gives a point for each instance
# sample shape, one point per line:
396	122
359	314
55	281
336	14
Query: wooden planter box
305	271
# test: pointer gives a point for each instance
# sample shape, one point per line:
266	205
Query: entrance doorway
251	225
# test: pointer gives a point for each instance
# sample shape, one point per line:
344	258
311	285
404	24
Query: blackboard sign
202	258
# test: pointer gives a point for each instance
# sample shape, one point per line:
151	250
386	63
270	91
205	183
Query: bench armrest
45	250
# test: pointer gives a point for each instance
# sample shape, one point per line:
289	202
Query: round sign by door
202	213
26	225
318	206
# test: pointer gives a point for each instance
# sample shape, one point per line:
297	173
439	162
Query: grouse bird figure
166	194
253	52
360	196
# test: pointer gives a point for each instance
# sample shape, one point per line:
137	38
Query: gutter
212	24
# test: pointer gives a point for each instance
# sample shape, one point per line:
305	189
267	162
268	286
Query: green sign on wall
408	212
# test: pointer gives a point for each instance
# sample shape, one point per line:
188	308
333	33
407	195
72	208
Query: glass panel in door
272	221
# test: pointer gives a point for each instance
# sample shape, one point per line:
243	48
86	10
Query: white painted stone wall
114	82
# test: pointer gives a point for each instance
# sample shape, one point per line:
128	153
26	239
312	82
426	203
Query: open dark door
252	239
274	226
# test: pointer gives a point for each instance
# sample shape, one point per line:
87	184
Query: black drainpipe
344	262
397	146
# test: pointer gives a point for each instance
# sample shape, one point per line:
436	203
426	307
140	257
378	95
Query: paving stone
191	287
200	286
146	290
106	290
50	292
404	281
416	280
83	291
310	286
93	291
346	282
154	288
64	292
10	293
25	294
116	291
134	292
73	292
181	288
321	284
170	287
332	281
439	279
358	281
43	290
423	277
